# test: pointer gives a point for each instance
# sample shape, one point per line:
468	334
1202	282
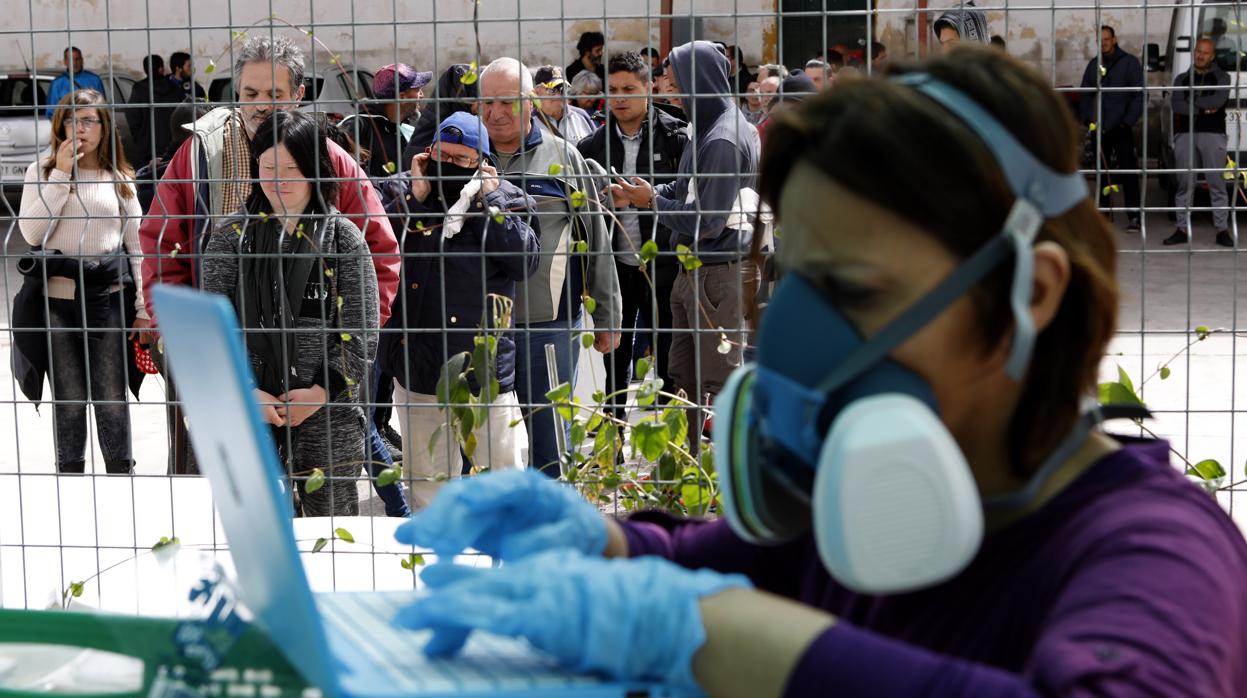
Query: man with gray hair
577	269
209	179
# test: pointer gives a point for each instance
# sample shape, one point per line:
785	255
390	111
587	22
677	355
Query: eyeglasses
89	122
460	160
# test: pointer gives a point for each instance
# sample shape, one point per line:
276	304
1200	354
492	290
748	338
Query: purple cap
399	75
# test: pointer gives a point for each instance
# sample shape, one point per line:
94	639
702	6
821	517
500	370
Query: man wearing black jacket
1199	140
638	140
467	235
148	122
1119	111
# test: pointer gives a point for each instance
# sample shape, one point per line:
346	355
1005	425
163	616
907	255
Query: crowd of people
588	164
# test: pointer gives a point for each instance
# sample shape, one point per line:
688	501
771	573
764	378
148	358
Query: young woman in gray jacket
306	294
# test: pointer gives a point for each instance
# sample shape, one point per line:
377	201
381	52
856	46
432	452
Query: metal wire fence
558	322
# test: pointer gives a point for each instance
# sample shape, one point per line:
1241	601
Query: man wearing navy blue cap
467	238
381	129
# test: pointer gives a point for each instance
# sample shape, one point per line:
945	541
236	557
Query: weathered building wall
1055	37
429	34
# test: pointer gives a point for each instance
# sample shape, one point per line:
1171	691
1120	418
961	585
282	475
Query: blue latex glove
506	515
634	619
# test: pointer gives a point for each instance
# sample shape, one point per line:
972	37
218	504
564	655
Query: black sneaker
1224	239
1134	226
1179	237
393	442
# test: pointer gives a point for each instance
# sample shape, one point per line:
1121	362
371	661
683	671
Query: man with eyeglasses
210	177
566	120
453	266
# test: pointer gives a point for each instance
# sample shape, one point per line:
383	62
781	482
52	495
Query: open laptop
344	643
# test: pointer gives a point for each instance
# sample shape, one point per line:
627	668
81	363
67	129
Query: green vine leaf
1124	379
1164	372
1209	469
1202	332
167	544
578	199
344	535
320	544
642	368
650	437
469	78
559	393
1117	394
75	589
316	481
210	68
648	392
580	247
389	476
686	257
586	338
591	304
412	561
390	167
554	170
649	251
676	420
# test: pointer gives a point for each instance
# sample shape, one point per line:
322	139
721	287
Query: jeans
392	496
531	383
96	376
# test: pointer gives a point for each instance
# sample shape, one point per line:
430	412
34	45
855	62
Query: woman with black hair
306	293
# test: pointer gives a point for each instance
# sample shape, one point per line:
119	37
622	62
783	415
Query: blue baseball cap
463	128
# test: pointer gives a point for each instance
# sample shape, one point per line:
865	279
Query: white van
1225	23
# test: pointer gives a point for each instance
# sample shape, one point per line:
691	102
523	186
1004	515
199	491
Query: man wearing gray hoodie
710	209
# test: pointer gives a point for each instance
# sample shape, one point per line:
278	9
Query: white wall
429	34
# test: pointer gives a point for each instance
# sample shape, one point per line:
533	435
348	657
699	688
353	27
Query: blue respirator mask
824	431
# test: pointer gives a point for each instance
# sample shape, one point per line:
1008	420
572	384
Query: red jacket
172	224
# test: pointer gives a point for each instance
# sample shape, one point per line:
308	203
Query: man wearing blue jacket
1118	111
711	214
75	77
468	237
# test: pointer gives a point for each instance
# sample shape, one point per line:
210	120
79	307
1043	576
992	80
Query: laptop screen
235	450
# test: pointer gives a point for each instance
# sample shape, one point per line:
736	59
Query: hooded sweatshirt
722	153
970	23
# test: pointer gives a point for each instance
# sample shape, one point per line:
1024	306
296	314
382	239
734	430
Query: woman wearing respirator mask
916	499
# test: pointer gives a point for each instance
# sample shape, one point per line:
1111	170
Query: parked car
332	89
24	130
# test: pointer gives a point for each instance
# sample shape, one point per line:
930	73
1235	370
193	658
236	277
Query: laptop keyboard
487	663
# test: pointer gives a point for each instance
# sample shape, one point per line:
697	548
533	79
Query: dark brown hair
63	120
893	146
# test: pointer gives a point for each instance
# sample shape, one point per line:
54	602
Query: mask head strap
1041	193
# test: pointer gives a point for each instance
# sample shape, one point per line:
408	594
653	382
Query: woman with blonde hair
80	213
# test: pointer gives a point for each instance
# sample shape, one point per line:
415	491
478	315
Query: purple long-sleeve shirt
1130	582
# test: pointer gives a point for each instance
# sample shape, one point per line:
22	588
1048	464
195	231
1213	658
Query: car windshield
22	92
1227	26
